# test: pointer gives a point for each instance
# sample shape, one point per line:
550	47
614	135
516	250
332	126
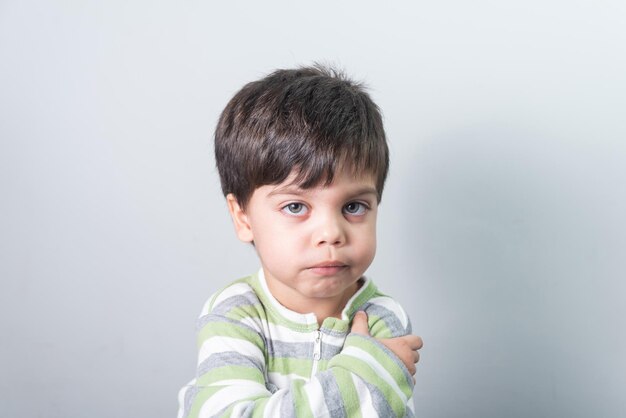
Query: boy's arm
231	379
388	322
404	347
388	398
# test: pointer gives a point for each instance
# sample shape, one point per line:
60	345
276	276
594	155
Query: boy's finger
414	342
412	369
359	323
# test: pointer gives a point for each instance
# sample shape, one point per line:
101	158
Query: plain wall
501	229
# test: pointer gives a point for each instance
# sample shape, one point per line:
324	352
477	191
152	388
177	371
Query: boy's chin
326	288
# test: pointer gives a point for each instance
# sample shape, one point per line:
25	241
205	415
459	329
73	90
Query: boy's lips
327	268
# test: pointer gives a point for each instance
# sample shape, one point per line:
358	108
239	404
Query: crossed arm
369	376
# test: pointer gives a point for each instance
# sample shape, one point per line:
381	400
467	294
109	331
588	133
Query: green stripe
343	367
378	327
368	374
392	365
348	393
366	294
301	399
246	311
322	365
284	365
260	407
201	397
224	329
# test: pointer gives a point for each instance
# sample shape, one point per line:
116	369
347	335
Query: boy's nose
330	231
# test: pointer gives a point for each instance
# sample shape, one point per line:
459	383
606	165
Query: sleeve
387	319
231	379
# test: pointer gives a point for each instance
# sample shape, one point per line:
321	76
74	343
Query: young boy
302	158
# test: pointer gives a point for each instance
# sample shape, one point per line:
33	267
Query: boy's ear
240	219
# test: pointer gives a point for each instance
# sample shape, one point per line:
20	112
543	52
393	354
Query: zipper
317	351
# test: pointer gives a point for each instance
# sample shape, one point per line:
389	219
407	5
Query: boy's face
314	244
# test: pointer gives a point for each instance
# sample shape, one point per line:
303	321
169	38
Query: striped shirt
260	359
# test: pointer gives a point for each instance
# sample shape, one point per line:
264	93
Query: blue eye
295	208
355	208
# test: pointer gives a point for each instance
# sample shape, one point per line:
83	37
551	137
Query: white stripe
207	305
393	306
272	408
282	381
284	334
232	290
238	410
363	355
219	344
234	382
411	405
253	322
365	399
228	396
315	393
181	397
276	332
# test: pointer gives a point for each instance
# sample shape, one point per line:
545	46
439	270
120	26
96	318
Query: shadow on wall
516	270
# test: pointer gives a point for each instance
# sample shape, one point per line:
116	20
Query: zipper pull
317	351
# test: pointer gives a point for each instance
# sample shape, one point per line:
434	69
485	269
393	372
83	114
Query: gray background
501	230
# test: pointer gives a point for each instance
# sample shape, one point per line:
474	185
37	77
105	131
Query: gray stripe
392	356
382	407
391	320
409	327
277	349
270	386
329	351
228	358
332	395
282	349
249	410
335	333
236	301
219	318
203	320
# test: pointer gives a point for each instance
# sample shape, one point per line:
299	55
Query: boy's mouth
328	268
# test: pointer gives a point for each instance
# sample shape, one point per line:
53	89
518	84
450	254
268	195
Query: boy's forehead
351	181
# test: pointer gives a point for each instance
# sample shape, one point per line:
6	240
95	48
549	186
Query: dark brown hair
311	119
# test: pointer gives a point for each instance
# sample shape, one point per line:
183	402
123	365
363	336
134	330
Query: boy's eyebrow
365	190
288	189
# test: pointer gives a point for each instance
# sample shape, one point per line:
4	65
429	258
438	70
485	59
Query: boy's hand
404	347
